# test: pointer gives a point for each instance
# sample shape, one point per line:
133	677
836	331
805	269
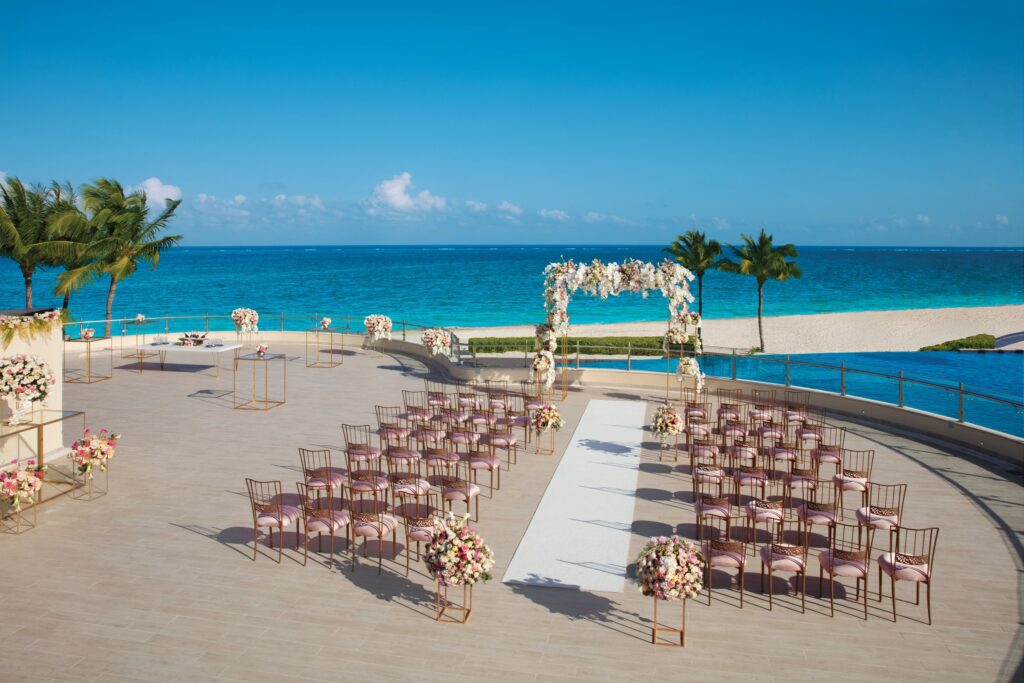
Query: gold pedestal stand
257	401
88	489
89	377
19	525
674	446
655	628
538	437
321	339
445	607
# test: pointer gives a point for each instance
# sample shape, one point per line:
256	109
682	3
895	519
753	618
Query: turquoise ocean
502	285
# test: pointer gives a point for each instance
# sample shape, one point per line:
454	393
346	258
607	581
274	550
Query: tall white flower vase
21	412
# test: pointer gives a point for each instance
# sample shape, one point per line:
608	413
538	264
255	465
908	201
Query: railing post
346	323
207	323
787	370
167	324
629	356
842	378
960	387
734	363
403	330
900	382
282	322
577	354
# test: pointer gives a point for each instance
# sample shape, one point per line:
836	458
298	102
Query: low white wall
50	348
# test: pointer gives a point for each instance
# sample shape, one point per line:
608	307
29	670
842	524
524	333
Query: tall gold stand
674	447
19	525
256	400
140	339
549	449
445	607
321	340
664	629
90	377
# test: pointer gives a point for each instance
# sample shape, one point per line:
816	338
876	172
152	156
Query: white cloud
239	199
553	214
475	206
393	196
923	219
899	222
720	223
158	192
1002	219
508	207
596	217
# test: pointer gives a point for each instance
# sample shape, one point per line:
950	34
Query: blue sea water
502	285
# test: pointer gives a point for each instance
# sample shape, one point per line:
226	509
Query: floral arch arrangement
562	280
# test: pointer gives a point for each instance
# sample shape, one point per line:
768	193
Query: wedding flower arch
562	280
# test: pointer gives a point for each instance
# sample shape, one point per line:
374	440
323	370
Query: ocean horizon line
577	245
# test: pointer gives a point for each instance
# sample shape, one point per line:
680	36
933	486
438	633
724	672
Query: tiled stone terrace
155	582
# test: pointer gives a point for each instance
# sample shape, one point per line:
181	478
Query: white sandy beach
906	330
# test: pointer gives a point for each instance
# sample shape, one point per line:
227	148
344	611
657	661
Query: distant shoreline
893	330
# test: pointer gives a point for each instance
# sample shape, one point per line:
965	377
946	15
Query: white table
162	349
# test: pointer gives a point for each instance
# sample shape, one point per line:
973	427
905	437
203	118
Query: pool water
1000	375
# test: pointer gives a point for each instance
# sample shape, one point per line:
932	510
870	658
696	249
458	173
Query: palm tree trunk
67	299
760	310
27	275
700	295
110	303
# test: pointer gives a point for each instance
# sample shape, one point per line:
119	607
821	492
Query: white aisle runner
579	536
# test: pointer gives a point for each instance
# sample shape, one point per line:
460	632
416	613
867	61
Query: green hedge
978	341
611	346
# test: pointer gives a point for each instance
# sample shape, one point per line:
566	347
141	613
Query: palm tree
694	252
120	234
761	259
27	215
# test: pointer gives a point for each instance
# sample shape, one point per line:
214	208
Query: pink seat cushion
373	483
878	519
418	415
708	474
533	404
442	458
394	432
409	454
432	434
756	414
323	525
809	516
496	403
828	455
283	516
419	487
364	452
809	433
728	413
326	480
701	431
503	440
771	432
795	416
421	534
734	431
696	412
842	567
848	483
484	462
762	514
704	450
708	509
717	557
782	453
904	568
463	438
461	492
744	478
748	453
378	526
482	419
520	421
780	562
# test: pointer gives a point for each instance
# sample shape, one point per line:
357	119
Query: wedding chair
437	394
371	521
454	488
390	428
270	512
794	407
496	391
847	556
752	476
855	476
405	475
500	436
722	551
769	510
818	508
518	417
533	395
320	517
418	519
707	504
884	509
911	559
477	459
357	443
317	472
787	554
417	411
828	448
363	460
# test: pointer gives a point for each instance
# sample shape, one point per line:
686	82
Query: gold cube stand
90	377
445	608
321	340
14	522
664	446
655	628
549	448
260	401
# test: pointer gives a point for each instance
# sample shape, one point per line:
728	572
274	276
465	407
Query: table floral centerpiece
437	341
670	568
261	350
378	327
88	333
26	379
457	556
246	320
325	323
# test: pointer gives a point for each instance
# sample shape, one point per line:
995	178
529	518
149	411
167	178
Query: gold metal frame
42	418
7	528
140	334
544	450
89	377
256	403
444	606
314	360
665	629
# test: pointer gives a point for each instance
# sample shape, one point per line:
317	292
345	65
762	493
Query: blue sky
827	123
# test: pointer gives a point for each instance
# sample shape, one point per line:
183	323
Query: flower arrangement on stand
93	450
247	320
457	556
670	568
546	420
140	318
20	487
378	327
437	341
26	379
667	422
689	367
88	333
261	350
28	326
325	323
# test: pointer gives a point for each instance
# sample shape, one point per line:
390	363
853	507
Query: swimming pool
1000	375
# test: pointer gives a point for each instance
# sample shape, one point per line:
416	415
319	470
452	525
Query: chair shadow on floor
579	605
